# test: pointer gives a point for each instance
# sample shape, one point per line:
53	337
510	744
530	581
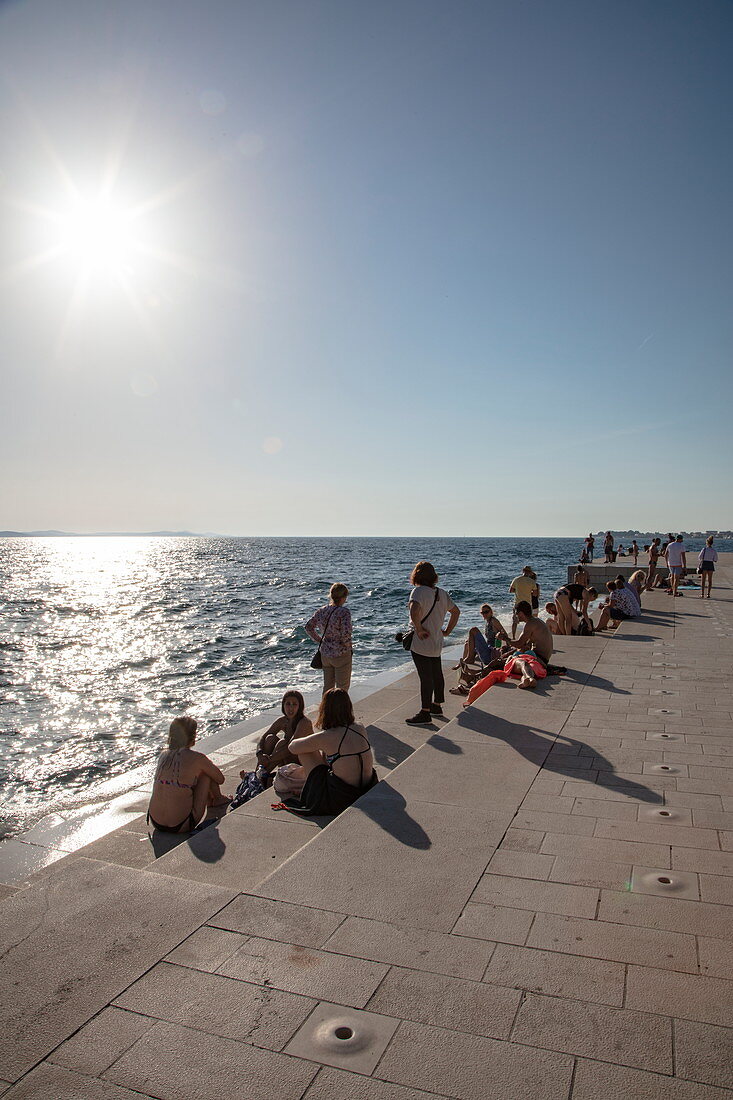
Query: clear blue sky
366	268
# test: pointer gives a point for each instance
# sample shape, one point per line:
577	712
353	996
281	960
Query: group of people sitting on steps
316	768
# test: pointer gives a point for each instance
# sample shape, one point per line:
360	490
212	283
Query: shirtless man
653	559
581	576
535	635
536	639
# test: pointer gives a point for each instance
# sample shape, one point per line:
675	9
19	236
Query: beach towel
498	676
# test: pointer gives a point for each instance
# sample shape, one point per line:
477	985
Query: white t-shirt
675	550
708	553
423	596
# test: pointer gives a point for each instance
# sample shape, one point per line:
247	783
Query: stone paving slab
335	1084
472	1067
401	848
568	976
48	1081
431	951
472	1007
171	1062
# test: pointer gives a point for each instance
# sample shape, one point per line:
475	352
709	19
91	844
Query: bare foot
527	683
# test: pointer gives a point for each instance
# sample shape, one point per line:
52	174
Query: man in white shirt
676	562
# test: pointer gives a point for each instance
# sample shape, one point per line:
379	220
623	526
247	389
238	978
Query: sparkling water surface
104	640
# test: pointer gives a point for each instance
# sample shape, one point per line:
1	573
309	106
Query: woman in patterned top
185	783
330	627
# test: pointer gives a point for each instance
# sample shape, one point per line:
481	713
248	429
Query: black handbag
317	660
407	636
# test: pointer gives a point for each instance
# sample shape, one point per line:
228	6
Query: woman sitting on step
186	783
337	760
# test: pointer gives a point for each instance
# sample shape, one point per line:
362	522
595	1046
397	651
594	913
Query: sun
96	235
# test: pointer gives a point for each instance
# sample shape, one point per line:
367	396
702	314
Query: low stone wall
599	573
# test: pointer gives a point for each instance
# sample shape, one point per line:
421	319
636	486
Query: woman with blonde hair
186	782
637	581
331	628
337	760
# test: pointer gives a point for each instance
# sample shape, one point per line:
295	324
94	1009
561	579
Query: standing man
676	562
608	547
653	559
524	588
635	551
589	544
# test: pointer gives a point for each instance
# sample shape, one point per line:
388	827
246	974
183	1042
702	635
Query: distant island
110	534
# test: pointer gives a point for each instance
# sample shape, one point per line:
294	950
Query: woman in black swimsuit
337	760
186	783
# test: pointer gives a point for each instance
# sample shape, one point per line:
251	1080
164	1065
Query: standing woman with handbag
334	652
428	607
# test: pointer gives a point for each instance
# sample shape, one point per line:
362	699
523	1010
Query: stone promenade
535	902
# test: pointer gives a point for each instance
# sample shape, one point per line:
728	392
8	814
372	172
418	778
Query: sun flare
96	235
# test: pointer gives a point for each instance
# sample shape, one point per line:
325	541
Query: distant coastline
619	536
111	534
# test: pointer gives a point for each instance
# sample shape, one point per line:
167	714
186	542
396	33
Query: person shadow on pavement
387	808
535	745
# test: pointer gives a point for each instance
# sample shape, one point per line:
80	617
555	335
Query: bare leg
469	649
201	793
527	679
310	760
564	615
605	616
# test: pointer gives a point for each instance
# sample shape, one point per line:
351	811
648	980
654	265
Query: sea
103	640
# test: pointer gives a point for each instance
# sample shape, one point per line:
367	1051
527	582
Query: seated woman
620	606
186	783
337	760
273	748
637	581
483	648
273	751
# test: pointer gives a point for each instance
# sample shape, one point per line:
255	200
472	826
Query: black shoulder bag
317	661
406	637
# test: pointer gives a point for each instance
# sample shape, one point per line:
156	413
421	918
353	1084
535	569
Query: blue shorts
675	570
617	613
